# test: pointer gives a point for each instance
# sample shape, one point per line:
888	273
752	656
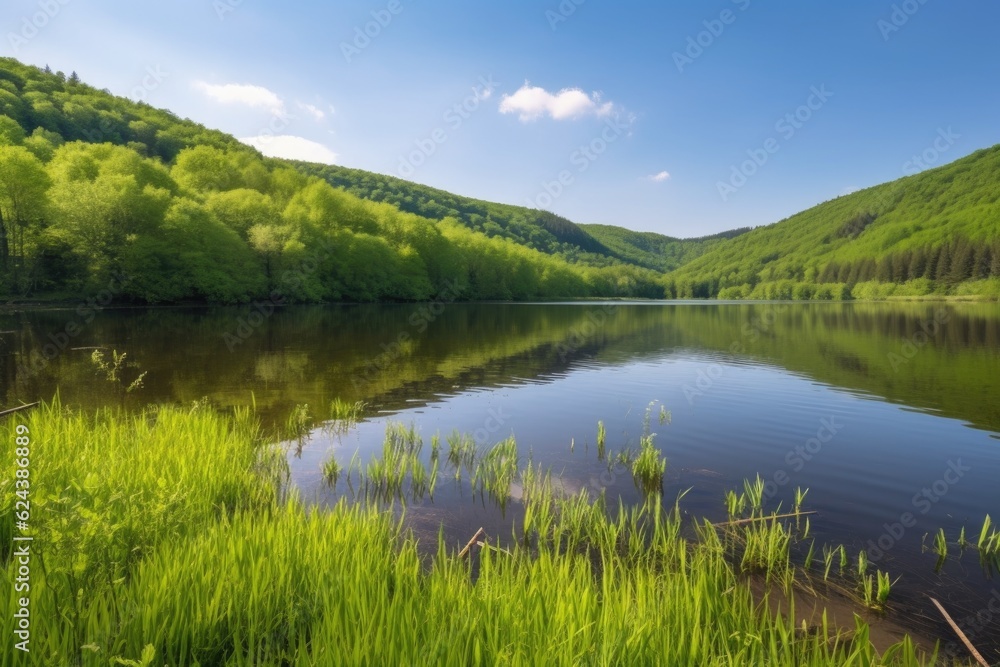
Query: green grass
165	541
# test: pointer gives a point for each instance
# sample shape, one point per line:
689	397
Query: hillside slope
592	244
656	251
101	194
540	230
937	232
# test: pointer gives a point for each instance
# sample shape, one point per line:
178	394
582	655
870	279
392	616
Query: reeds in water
495	471
172	524
648	467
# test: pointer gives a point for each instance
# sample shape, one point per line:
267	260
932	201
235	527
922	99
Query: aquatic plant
800	497
344	415
767	545
461	452
755	497
331	470
989	540
940	547
173	524
115	368
400	472
298	424
875	590
648	467
495	471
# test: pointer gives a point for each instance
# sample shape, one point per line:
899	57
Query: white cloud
292	148
660	177
257	97
312	110
532	102
851	189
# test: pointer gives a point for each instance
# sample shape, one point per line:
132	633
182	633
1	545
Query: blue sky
672	118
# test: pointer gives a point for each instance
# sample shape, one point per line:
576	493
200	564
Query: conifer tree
962	261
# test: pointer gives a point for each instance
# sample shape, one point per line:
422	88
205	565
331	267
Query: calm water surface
880	410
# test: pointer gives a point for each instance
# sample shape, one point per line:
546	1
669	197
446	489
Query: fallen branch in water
762	518
961	635
475	538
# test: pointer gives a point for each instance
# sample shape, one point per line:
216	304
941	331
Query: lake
888	413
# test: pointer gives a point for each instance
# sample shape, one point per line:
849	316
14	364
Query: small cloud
312	110
291	148
532	102
257	97
849	190
660	177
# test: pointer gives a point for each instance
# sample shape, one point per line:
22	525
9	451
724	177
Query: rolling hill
99	191
594	245
102	194
936	232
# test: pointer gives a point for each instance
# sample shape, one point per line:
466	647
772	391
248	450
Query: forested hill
595	245
937	232
98	192
540	230
655	251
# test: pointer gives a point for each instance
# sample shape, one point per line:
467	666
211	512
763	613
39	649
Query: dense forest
592	245
655	251
98	192
101	193
937	232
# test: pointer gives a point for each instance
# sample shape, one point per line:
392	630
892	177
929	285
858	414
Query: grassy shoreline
165	538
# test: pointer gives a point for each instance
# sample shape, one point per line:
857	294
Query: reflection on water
867	405
933	357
